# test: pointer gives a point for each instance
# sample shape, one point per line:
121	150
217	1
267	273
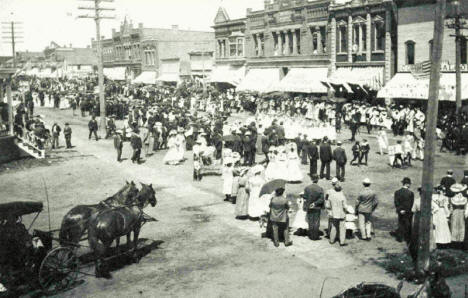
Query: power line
97	18
12	36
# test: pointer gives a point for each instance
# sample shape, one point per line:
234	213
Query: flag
422	70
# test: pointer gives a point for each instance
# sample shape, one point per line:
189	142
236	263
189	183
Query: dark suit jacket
339	155
312	150
265	144
404	199
135	140
313	194
447	182
325	152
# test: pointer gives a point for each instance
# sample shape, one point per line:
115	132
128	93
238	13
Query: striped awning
406	86
260	80
227	74
370	77
303	80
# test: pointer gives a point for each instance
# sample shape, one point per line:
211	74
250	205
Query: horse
111	224
75	222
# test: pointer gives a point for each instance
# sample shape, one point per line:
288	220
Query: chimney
113	32
140	25
175	27
102	37
71	46
249	10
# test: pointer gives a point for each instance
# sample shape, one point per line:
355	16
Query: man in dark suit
118	144
314	200
312	151
404	199
265	147
136	143
325	158
448	181
93	128
339	155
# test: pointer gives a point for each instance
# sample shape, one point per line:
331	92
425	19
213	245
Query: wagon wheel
58	270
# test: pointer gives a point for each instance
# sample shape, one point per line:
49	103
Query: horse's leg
136	233
117	243
129	239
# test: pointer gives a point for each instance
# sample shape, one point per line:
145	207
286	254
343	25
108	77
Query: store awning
168	77
227	74
370	77
405	85
146	77
260	80
303	80
115	73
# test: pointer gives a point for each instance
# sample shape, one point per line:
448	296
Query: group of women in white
176	145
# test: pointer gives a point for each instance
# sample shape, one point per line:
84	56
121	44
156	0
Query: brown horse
111	224
75	222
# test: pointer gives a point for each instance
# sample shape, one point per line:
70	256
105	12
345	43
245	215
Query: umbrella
271	186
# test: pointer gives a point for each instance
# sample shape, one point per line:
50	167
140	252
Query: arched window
410	52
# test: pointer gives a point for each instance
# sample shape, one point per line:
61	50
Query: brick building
298	45
415	34
159	52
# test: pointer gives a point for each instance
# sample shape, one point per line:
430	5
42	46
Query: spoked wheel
59	270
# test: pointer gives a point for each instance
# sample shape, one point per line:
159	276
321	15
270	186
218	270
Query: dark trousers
247	157
356	157
363	156
136	155
304	157
68	141
397	158
313	218
280	227
340	171
119	154
325	165
93	132
404	227
313	167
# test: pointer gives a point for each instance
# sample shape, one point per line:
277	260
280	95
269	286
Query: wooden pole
423	253
458	37
10	105
102	100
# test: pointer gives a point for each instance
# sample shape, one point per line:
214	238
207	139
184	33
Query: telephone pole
97	18
12	36
423	252
457	23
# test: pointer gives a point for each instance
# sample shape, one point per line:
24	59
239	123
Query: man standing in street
314	200
312	151
325	158
448	181
93	128
118	144
67	132
55	135
279	207
367	203
336	205
339	155
404	199
135	141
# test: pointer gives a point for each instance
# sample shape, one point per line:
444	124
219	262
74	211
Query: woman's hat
457	187
458	201
257	169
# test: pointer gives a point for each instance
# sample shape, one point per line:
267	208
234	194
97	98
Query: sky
44	21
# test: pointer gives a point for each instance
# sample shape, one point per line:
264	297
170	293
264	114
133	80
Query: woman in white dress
172	156
440	216
180	143
281	169
383	141
270	173
294	173
228	178
254	185
300	222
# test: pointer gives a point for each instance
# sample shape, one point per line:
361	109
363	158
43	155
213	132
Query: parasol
272	186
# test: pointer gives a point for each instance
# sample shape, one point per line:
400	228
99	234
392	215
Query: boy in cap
67	132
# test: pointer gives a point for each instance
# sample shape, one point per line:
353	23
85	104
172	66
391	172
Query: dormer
221	16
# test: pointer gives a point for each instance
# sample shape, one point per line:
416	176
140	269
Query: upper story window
343	39
410	52
232	47
379	34
240	47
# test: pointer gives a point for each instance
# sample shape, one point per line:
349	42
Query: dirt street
202	250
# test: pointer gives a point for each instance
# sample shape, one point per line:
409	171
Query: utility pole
423	253
11	36
457	23
97	18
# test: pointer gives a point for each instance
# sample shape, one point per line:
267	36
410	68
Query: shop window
410	52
